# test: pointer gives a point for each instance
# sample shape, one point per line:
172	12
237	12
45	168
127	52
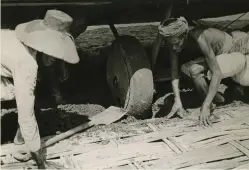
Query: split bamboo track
154	144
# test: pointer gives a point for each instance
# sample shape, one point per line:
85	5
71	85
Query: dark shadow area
190	99
50	122
9	125
235	92
87	83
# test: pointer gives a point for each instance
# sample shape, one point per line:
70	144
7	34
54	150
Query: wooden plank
198	156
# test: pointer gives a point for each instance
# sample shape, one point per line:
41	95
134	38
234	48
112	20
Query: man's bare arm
177	107
25	75
175	73
155	50
214	68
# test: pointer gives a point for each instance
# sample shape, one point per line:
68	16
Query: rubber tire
128	65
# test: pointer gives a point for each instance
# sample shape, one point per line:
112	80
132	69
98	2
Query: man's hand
41	162
177	108
53	165
22	157
205	116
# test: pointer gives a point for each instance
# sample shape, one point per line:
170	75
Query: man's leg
195	70
236	66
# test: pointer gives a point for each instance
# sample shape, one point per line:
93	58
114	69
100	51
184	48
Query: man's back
13	54
220	41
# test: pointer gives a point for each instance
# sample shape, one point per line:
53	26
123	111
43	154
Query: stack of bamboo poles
154	144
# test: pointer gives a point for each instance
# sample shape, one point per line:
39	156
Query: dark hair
168	21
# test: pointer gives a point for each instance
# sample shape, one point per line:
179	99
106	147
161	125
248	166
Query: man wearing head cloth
225	56
30	46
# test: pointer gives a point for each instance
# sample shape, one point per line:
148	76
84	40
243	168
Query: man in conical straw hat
32	44
224	55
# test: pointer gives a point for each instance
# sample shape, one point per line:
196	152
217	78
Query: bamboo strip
138	139
76	164
224	164
177	144
137	165
201	161
198	156
203	134
108	163
171	145
245	166
150	137
68	162
225	140
240	147
245	143
153	127
10	148
132	165
240	112
111	156
122	162
225	109
215	139
131	149
114	142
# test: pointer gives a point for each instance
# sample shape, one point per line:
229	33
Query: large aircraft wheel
130	77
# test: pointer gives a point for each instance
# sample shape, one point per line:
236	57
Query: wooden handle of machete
66	134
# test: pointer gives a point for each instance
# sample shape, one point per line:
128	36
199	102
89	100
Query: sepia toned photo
125	84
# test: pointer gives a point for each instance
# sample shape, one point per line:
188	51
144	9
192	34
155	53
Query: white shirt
19	62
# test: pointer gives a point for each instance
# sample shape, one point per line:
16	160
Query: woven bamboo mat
157	143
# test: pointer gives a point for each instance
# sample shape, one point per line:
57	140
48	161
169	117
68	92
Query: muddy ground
87	93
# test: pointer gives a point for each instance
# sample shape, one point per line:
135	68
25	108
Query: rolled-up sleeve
25	76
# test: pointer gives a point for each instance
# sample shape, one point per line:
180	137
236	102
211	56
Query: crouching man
224	56
30	46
